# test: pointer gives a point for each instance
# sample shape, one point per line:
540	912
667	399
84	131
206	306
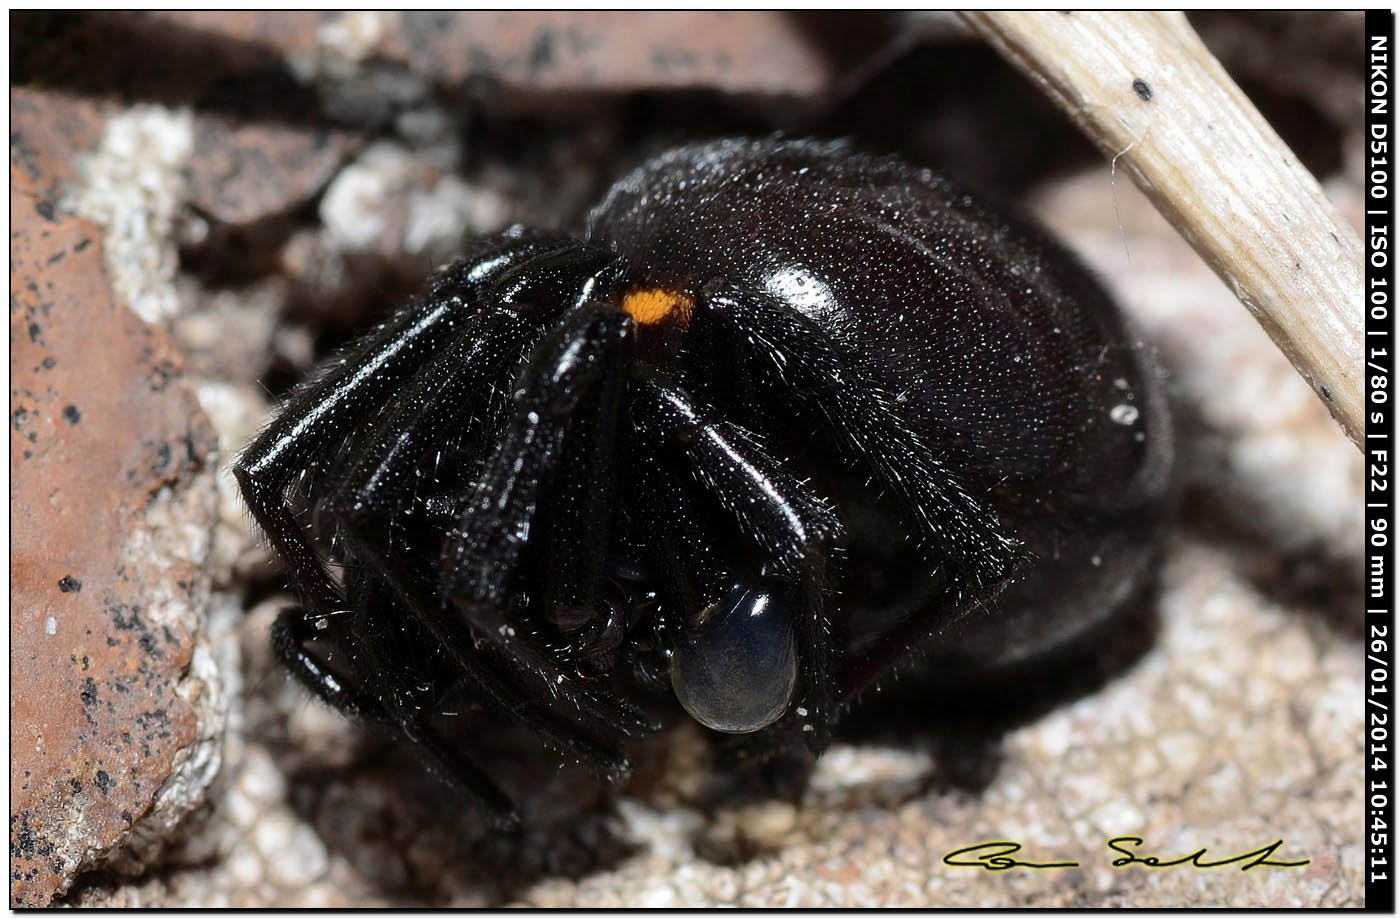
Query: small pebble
273	834
302	861
245	867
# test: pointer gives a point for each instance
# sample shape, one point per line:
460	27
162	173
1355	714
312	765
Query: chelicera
785	418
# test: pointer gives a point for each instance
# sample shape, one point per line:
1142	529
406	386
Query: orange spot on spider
653	304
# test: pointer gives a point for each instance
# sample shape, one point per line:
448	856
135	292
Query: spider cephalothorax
785	416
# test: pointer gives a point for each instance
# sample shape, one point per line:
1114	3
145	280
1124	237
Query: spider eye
736	671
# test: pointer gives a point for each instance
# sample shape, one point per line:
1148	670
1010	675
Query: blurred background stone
576	51
116	707
272	182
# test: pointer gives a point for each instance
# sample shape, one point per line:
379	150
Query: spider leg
380	485
792	525
564	372
691	572
902	643
820	378
327	414
574	372
568	717
323	412
581	510
384	485
290	634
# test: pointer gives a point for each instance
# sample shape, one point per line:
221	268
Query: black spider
784	417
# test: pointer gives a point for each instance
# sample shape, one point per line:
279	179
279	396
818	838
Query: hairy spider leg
382	482
792	525
564	372
817	377
910	638
690	576
322	413
383	485
665	567
578	526
564	381
822	380
389	652
290	634
691	573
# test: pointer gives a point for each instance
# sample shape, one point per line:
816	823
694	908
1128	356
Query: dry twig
1148	93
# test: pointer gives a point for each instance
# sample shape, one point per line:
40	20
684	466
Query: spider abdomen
1000	350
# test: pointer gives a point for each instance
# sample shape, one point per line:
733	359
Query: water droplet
1123	413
